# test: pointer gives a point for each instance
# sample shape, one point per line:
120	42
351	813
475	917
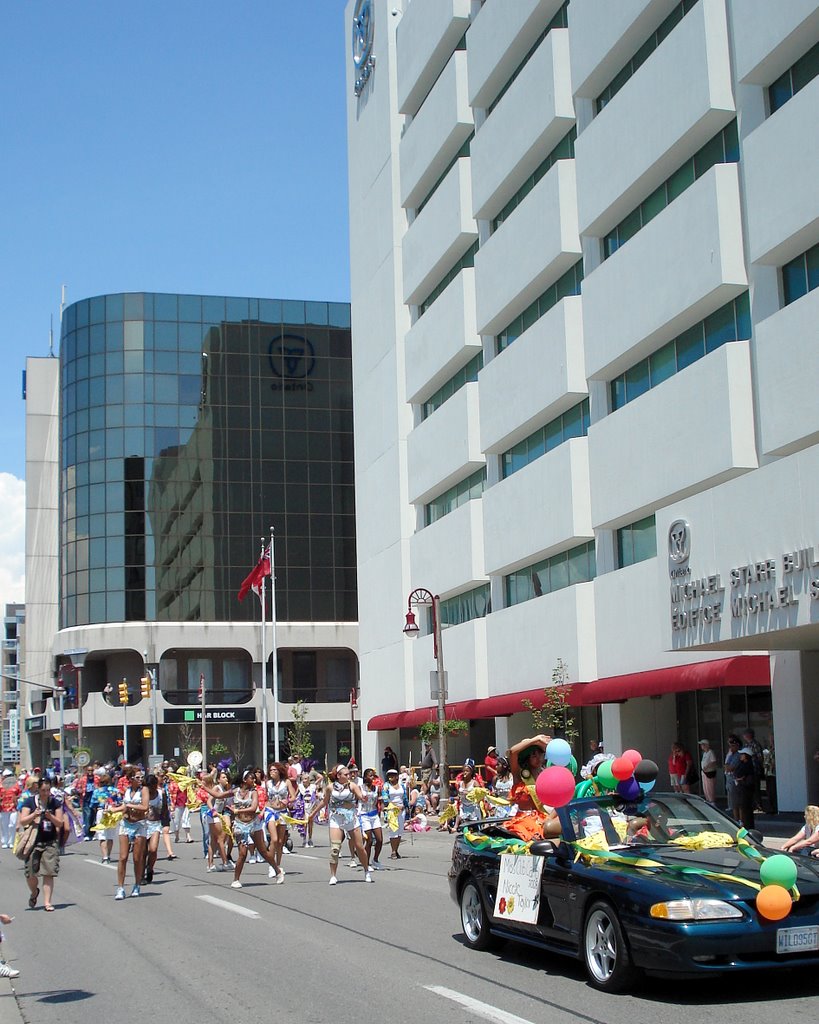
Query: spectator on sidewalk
731	788
806	840
708	771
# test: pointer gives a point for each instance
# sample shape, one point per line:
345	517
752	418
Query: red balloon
555	786
634	756
622	768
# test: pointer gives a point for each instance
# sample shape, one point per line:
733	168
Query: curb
10	1012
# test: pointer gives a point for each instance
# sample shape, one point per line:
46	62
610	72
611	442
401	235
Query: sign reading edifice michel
736	568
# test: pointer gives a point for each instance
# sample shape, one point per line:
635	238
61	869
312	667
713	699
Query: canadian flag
253	580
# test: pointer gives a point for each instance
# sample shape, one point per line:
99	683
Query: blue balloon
630	789
647	786
559	752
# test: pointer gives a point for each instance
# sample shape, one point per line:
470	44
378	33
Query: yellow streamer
108	819
450	811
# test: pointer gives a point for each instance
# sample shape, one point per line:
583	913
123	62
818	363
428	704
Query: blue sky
183	146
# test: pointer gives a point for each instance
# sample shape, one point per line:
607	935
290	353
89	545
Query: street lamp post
77	657
421	596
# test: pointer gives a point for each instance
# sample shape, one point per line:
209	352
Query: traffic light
147	733
123	692
145	686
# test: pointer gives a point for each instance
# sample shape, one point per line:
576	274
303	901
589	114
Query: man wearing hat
8	808
745	778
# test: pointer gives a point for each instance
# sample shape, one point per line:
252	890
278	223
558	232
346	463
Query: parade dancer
157	809
133	830
370	816
395	803
105	797
218	796
341	797
248	829
280	794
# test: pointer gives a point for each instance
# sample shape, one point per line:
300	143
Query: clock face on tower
363	28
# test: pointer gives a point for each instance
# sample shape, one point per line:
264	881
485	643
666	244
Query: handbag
25	842
692	776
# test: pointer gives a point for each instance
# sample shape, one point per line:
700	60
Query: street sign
433	685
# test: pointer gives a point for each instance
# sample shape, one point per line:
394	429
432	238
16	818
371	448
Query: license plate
797	940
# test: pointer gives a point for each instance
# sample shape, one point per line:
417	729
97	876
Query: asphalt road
192	949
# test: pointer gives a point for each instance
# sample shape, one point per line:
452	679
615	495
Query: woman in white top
708	771
503	789
280	793
133	830
370	816
394	795
342	797
219	796
248	829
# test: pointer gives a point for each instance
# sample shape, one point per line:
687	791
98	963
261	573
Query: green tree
555	714
298	735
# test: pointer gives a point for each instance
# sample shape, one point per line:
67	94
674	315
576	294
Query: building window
732	322
568	284
467	260
573	423
794	79
474	604
564	150
645	51
460	494
466	375
636	542
560	20
462	152
801	275
722	149
578	565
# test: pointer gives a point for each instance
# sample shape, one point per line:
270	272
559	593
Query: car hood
724	871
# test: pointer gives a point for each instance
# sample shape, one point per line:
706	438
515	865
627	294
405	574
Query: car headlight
695	910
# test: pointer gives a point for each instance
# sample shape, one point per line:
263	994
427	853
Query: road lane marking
484	1010
229	906
99	864
304	856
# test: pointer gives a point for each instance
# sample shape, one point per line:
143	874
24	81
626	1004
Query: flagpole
203	704
264	673
275	659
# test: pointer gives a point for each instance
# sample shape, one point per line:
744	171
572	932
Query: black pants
746	805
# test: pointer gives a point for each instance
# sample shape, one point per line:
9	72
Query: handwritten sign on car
518	897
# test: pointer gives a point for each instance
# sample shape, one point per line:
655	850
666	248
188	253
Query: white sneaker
120	893
334	880
285	850
236	884
135	891
271	871
280	877
368	877
375	866
8	972
353	863
211	867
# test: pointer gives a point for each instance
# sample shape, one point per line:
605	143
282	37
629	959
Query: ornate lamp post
420	596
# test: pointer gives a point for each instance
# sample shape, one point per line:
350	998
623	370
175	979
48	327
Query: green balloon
584	788
573	765
778	870
605	777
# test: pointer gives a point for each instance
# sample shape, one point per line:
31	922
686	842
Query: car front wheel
605	952
474	920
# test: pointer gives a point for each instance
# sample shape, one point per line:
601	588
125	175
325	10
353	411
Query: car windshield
656	820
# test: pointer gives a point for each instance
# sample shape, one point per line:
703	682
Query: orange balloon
774	902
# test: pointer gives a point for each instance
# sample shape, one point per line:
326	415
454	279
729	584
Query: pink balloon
555	786
634	756
622	768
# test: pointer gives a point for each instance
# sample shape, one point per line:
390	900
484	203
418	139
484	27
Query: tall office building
585	248
13	629
188	427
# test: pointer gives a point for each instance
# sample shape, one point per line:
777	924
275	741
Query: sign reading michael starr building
758	596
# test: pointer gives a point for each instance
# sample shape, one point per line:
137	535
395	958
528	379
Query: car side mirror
543	848
756	835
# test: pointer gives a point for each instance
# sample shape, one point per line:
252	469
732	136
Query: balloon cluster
778	874
631	775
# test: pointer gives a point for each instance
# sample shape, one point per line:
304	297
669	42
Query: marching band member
341	797
248	828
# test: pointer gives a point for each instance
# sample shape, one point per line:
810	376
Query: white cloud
12	540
